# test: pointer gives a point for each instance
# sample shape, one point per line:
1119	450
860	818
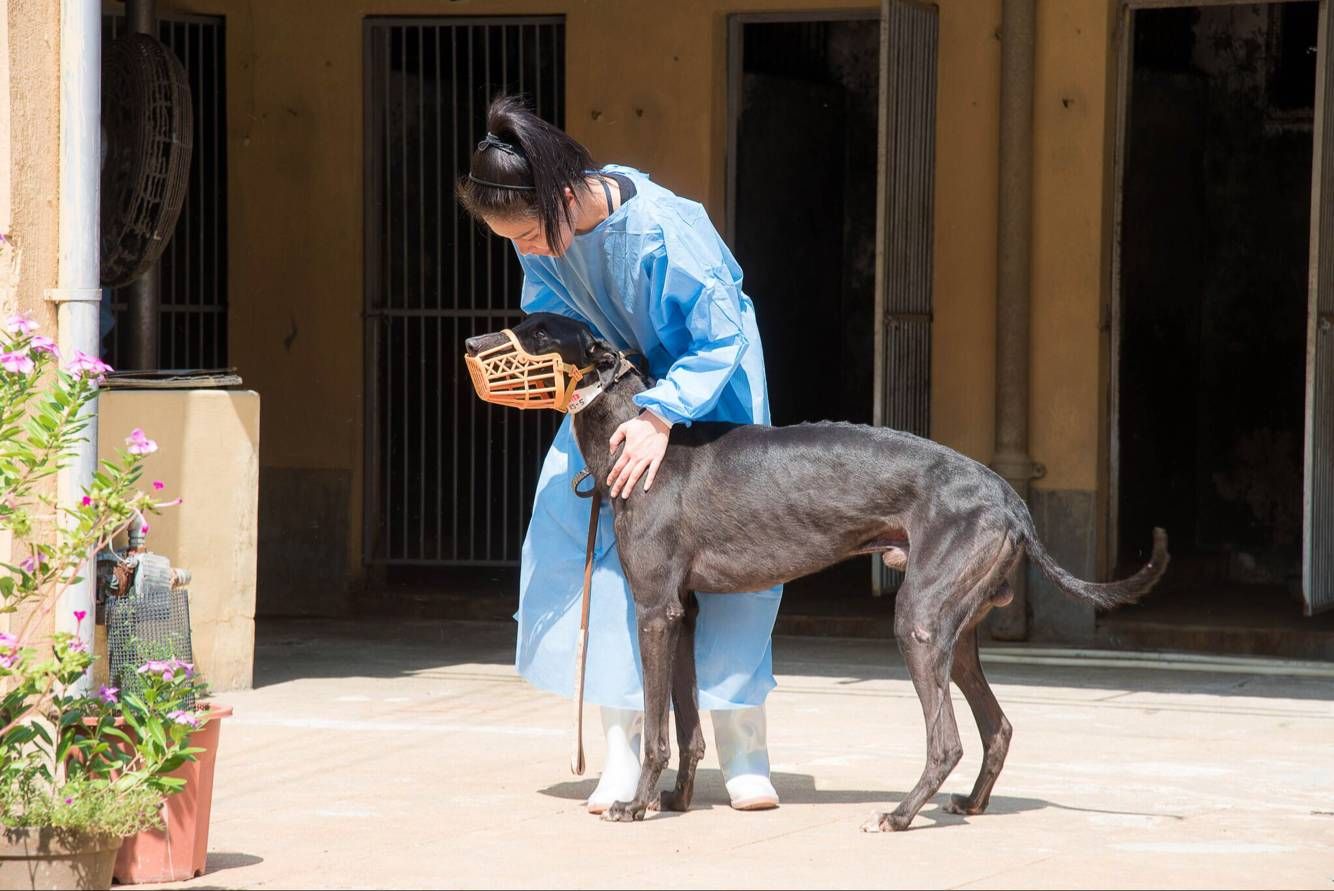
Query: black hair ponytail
523	167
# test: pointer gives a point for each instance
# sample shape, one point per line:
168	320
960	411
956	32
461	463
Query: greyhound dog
739	508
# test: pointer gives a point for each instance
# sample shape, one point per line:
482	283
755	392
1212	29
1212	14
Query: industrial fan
148	129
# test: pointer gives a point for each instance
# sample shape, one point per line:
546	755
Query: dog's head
529	377
546	332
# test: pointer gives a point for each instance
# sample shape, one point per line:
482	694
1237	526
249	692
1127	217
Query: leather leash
581	648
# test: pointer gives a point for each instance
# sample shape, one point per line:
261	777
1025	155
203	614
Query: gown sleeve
695	307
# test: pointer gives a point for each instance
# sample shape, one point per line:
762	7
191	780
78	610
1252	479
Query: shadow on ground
800	788
288	649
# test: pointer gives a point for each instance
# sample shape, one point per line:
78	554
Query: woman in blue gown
648	272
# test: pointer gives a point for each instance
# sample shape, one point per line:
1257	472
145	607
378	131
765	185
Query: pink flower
80	615
16	363
167	668
139	444
87	502
144	529
40	344
158	485
108	694
9	650
32	563
69	800
83	364
20	325
184	717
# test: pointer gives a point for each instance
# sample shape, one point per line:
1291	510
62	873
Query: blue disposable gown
654	277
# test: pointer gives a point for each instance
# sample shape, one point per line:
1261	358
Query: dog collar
582	397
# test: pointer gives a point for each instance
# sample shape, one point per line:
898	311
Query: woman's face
528	235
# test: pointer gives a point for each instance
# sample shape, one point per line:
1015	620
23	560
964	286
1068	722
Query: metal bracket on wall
73	295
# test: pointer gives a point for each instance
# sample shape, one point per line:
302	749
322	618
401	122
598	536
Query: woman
648	273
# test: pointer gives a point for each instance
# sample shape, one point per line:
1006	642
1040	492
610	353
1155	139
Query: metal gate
193	268
449	479
908	49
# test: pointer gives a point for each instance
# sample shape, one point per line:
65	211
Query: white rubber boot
620	772
743	755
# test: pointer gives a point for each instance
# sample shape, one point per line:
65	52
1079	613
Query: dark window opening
449	479
193	268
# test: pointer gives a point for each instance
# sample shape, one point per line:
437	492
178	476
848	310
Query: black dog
740	508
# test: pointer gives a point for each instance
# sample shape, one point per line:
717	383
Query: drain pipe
1013	279
144	306
78	296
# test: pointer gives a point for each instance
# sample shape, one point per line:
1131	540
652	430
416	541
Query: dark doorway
1214	266
805	106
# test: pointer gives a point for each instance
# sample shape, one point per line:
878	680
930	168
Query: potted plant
79	770
176	848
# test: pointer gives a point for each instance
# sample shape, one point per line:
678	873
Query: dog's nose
475	345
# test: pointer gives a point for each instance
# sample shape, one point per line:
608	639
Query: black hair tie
495	142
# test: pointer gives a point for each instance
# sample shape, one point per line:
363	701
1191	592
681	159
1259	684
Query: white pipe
78	295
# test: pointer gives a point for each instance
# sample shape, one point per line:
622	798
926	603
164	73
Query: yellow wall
295	198
1073	123
29	172
208	454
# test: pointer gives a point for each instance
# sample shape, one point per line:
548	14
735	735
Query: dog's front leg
689	734
659	627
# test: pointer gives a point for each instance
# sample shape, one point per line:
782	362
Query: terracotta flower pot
180	850
51	858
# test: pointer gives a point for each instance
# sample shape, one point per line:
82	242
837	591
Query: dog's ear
601	354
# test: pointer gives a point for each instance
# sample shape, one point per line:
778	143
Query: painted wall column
1013	278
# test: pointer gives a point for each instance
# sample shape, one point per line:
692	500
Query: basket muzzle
510	375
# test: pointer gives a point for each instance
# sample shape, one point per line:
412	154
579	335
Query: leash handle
581	648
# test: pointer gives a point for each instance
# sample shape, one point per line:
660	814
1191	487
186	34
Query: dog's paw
963	806
886	821
624	812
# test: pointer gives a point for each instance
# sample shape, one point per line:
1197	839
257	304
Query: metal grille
150	623
193	268
1318	543
449	479
909	33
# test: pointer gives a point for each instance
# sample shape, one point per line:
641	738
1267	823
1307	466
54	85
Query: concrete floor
409	755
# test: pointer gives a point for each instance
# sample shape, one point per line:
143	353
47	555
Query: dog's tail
1105	594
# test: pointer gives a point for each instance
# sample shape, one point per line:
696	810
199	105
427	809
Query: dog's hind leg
659	628
991	722
932	613
689	733
927	649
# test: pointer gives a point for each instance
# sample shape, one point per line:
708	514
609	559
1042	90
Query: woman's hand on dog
645	441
